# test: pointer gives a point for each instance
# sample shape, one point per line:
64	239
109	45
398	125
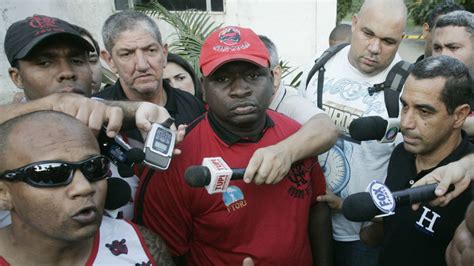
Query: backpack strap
319	66
392	86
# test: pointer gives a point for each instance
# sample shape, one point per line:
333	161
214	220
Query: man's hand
148	113
179	137
93	113
268	165
459	173
334	202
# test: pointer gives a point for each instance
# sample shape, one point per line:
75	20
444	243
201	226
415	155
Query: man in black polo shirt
135	51
435	105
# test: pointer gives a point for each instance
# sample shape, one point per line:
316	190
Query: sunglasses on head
59	173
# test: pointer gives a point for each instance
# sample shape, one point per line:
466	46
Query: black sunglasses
59	173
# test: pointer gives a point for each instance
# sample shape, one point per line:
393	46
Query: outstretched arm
156	246
271	164
460	173
92	113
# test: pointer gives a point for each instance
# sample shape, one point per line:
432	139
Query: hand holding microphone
374	128
379	201
214	175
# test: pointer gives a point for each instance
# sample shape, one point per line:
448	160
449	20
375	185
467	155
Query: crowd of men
301	163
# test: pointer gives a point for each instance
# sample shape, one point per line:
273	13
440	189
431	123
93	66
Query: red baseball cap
232	43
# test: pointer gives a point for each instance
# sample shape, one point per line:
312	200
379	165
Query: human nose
374	46
407	120
141	61
66	71
447	52
80	186
240	88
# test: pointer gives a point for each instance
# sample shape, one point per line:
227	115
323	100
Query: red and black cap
22	36
232	43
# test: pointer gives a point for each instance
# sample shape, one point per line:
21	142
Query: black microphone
200	176
125	170
374	128
118	194
135	155
360	207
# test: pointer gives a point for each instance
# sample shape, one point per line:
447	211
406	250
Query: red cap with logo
232	43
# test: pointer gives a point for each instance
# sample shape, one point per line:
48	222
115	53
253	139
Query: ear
15	76
277	72
5	197
104	55
354	22
460	114
203	88
426	27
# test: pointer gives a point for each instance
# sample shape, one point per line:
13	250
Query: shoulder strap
319	66
393	86
321	61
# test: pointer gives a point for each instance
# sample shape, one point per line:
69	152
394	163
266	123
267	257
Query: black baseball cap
22	36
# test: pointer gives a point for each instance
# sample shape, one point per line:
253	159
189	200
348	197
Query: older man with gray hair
135	51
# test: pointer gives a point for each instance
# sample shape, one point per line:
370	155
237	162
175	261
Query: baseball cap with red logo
232	43
22	36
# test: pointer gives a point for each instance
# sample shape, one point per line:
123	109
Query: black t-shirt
420	237
181	105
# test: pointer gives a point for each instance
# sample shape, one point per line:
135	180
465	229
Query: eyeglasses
59	173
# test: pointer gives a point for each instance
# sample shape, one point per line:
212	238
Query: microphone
363	206
118	194
200	176
135	155
124	170
374	128
214	175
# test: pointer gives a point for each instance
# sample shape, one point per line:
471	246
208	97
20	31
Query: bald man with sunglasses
53	181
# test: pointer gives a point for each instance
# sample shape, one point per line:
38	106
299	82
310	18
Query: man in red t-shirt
268	223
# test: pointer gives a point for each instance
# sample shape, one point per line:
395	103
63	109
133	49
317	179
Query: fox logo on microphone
382	197
220	174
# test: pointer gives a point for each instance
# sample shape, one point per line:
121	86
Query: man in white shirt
349	166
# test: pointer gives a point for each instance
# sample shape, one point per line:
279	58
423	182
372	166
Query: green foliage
192	28
343	7
419	10
287	70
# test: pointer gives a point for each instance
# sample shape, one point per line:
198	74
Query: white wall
299	28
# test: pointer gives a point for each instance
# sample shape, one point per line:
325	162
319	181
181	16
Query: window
176	5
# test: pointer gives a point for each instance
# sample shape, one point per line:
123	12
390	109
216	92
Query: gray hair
460	18
272	50
127	20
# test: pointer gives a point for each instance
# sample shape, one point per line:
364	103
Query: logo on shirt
234	199
427	221
341	115
301	186
117	247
